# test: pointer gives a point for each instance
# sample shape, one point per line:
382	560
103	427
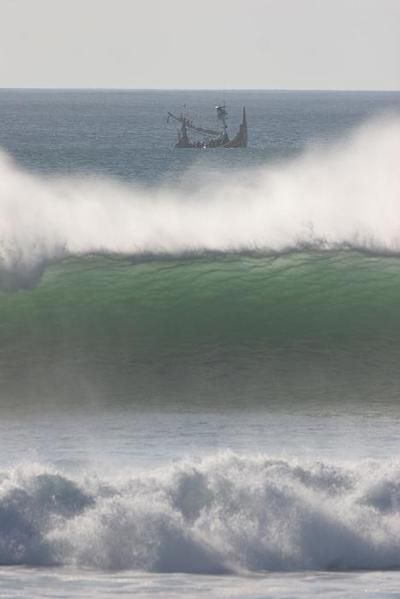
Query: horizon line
199	89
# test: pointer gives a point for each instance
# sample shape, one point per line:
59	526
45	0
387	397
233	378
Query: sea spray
345	195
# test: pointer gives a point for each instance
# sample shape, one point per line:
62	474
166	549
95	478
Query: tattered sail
211	138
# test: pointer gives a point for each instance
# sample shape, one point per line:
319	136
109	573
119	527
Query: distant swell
343	196
226	513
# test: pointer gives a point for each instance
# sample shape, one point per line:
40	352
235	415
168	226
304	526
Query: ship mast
222	115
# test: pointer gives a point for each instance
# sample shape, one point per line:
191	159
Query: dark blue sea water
199	349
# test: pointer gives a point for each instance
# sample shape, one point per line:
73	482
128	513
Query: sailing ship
210	138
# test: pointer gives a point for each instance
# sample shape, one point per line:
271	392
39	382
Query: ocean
199	349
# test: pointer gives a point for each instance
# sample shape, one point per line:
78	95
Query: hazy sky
285	44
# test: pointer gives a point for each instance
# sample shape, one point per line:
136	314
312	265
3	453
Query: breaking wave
344	196
279	282
226	513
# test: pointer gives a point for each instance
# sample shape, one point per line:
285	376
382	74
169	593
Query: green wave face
237	329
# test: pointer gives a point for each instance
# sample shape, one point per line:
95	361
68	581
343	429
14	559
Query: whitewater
199	352
225	514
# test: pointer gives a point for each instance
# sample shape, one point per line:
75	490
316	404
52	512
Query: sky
211	44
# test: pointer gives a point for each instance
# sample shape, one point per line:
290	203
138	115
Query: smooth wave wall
239	330
347	195
225	513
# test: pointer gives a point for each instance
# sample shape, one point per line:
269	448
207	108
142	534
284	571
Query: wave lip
225	513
